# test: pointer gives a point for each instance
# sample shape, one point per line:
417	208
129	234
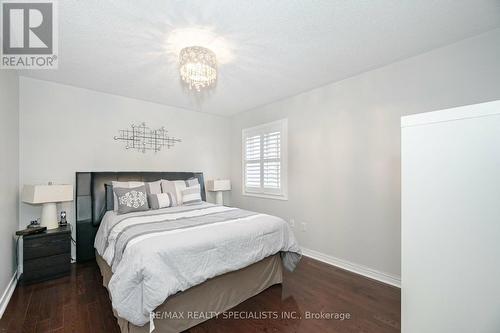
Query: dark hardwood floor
79	303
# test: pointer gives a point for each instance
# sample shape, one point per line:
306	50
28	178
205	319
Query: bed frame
218	294
91	205
215	295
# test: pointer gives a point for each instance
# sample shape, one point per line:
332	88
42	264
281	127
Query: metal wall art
142	138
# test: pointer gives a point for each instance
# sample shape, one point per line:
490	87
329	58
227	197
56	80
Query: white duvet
156	265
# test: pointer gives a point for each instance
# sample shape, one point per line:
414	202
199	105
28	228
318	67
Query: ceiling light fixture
198	67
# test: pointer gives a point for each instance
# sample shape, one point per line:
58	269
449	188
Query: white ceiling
271	49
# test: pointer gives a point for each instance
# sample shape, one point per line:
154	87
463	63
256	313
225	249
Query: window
265	160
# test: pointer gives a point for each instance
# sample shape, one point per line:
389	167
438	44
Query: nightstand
46	255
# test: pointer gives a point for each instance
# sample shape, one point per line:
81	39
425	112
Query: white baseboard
393	280
4	301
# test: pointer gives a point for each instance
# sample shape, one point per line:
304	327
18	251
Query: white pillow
153	187
177	186
191	195
122	185
168	186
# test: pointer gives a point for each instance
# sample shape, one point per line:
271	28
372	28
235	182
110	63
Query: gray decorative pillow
131	200
161	200
123	185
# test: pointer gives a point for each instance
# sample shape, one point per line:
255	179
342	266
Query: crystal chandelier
198	67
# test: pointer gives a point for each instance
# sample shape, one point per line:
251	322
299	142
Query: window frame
282	124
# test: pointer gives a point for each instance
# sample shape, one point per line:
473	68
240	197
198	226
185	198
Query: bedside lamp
218	186
48	196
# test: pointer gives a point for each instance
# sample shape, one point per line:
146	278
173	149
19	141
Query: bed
173	268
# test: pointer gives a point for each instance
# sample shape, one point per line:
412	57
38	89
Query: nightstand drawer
46	246
46	268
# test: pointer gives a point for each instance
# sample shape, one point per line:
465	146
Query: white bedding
196	243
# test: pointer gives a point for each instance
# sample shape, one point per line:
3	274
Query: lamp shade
219	185
38	194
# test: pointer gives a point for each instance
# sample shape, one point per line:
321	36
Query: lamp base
49	215
219	200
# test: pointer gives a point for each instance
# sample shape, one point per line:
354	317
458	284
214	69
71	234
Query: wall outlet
292	223
303	226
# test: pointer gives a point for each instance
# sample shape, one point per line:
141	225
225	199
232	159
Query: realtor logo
29	34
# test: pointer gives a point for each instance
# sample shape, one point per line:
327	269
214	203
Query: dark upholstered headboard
91	201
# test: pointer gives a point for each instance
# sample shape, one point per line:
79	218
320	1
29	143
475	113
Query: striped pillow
161	200
191	195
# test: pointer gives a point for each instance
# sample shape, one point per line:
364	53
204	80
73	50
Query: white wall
344	147
9	173
64	129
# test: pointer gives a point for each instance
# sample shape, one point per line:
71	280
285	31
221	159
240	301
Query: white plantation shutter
264	160
252	166
272	161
